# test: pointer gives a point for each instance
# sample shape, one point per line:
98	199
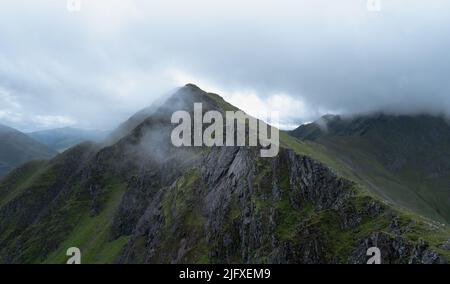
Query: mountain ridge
16	148
142	200
410	152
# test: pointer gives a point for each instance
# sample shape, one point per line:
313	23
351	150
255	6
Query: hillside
17	148
405	159
141	200
61	139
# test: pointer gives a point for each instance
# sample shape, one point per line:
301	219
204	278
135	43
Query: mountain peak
191	86
188	90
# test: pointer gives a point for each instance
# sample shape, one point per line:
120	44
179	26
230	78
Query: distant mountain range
338	189
17	148
61	139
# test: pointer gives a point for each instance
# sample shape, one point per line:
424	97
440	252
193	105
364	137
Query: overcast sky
96	67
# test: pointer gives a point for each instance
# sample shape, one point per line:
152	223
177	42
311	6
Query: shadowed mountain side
17	148
405	159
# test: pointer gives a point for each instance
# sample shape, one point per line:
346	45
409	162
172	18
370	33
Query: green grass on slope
407	188
361	167
75	216
420	226
14	184
222	103
92	234
305	225
433	192
319	153
397	189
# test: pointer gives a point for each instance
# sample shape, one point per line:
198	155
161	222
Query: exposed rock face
396	250
249	210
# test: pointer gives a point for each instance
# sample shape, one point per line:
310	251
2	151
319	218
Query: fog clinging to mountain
96	67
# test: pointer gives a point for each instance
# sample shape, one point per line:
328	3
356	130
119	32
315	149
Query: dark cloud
302	58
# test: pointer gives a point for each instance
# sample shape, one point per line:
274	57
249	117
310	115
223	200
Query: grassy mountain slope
17	148
141	200
404	159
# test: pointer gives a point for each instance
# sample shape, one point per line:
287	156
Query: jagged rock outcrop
281	210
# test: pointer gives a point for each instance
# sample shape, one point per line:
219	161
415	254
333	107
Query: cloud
12	113
302	58
49	121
